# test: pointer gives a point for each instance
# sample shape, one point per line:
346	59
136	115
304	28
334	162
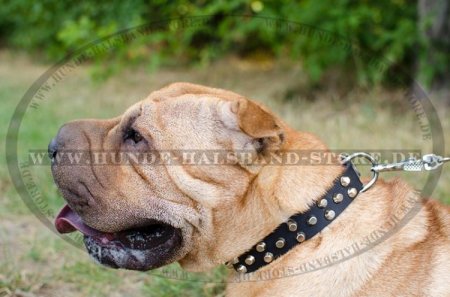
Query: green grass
36	261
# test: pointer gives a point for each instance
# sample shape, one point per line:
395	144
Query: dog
141	217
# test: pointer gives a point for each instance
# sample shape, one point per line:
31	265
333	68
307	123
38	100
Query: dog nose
52	149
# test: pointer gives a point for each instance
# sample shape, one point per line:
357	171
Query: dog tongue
69	221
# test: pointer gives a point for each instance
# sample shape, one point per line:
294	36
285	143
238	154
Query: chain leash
428	162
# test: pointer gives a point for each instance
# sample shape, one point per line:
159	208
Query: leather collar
303	226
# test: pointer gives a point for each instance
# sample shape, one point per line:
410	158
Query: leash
428	162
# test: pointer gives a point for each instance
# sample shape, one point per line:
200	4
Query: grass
36	262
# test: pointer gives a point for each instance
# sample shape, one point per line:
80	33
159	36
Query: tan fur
225	210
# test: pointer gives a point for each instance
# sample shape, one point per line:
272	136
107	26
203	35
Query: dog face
141	216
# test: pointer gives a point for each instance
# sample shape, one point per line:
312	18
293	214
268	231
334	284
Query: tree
434	57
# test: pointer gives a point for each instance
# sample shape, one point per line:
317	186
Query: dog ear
262	126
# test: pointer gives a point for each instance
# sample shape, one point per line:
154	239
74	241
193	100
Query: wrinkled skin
142	217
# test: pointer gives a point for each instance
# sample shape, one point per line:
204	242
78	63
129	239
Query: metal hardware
280	243
300	237
312	221
260	247
428	162
292	225
352	192
337	198
347	158
322	203
241	269
249	260
268	257
330	214
345	181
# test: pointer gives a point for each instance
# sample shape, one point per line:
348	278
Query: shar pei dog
284	230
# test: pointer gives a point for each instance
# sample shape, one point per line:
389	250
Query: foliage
385	30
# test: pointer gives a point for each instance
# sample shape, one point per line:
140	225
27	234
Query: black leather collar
302	226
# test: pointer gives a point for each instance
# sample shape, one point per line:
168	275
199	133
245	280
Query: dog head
171	206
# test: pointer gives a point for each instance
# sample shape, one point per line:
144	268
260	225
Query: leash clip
432	161
428	162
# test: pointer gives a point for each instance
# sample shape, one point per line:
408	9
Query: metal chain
428	162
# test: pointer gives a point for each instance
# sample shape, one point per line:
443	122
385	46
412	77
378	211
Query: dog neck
314	206
302	226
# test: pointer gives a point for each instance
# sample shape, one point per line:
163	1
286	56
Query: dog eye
133	135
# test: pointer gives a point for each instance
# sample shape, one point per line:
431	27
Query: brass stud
338	197
301	236
312	221
330	214
260	247
280	243
322	203
352	192
345	181
241	269
292	225
268	257
249	260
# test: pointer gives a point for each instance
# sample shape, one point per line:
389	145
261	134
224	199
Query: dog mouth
143	248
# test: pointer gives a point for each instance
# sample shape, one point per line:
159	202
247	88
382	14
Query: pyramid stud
260	247
352	192
292	225
280	243
338	197
312	221
330	214
268	257
345	181
249	260
300	237
241	269
322	203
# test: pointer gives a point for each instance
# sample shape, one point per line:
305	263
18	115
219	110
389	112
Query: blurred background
343	70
